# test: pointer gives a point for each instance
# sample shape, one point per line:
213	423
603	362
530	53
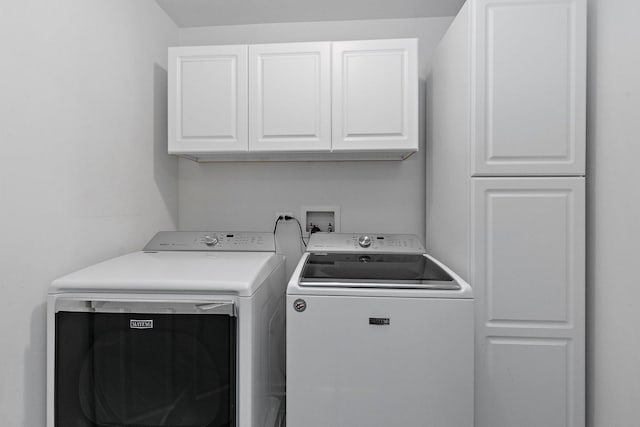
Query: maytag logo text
140	324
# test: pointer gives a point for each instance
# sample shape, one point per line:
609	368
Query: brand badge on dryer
140	324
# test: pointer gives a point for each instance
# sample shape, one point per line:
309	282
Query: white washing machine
188	332
379	334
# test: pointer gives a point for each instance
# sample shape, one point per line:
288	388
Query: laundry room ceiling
196	13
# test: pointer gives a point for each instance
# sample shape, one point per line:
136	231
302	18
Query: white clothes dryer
187	332
379	334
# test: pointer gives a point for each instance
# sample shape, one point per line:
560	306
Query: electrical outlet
283	214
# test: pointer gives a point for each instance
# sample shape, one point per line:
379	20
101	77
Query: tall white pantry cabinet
505	179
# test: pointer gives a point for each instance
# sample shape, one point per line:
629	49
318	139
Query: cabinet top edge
236	45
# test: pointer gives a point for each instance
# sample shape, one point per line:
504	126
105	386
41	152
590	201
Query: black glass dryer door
144	370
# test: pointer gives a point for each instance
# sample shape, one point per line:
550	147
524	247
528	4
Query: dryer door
118	366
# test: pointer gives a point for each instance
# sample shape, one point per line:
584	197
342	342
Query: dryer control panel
227	241
365	242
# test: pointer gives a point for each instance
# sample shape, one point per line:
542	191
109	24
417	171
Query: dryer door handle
227	308
151	306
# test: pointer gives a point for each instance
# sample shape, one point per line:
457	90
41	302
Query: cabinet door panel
207	99
528	275
289	97
530	88
210	115
528	254
375	95
528	383
529	250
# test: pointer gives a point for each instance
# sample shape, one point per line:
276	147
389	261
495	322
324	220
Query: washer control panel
211	241
384	243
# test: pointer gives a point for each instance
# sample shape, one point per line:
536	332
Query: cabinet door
529	87
375	95
289	97
207	99
528	274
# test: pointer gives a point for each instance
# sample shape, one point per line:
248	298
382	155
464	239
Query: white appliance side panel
375	95
447	148
290	97
344	372
530	87
260	355
51	366
207	99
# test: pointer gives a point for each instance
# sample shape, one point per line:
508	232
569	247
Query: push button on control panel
210	240
364	241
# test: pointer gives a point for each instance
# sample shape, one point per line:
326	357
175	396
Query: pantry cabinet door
528	87
528	276
290	97
207	99
375	95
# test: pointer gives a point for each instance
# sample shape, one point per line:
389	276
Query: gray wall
373	196
613	232
84	174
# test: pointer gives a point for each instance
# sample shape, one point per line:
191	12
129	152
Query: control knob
210	240
364	241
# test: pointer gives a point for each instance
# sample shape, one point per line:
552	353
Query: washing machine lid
375	270
183	272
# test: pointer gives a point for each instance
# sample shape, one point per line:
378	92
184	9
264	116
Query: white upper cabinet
530	79
295	101
375	95
290	97
207	99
